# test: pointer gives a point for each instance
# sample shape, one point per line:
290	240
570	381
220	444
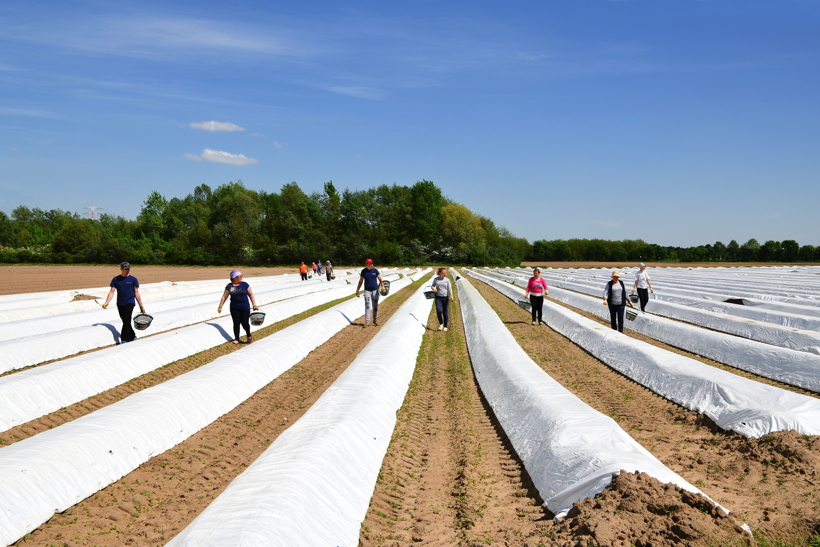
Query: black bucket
386	290
142	321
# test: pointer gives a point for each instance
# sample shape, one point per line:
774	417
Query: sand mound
636	509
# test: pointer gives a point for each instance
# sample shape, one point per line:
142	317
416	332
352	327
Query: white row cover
56	469
569	449
775	287
784	365
715	303
33	350
732	402
38	391
312	486
44	325
785	337
150	292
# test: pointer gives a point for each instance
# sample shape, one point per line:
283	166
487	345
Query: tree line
637	250
233	224
392	224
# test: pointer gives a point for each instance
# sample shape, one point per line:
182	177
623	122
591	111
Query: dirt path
156	501
769	483
15	279
450	477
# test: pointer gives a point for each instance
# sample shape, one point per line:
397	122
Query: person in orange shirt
303	271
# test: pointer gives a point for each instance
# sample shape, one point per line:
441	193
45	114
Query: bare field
450	476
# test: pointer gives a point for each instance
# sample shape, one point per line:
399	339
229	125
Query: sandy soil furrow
156	501
81	408
450	477
768	482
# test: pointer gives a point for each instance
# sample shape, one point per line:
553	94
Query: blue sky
680	123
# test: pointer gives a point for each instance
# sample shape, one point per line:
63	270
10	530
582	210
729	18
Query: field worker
536	291
329	270
314	268
128	294
643	285
615	297
303	271
444	295
373	282
239	291
319	267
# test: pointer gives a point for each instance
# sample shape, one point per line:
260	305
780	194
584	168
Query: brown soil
450	477
29	278
156	501
768	483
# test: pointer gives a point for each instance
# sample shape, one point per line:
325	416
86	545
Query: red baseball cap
369	261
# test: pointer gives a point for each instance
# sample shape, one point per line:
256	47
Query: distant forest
412	225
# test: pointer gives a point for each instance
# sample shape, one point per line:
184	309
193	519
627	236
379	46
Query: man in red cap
372	280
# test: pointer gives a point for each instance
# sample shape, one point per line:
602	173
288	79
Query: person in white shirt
643	284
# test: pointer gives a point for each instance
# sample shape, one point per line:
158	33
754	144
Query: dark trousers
127	334
443	310
242	317
328	275
616	314
537	302
643	295
304	276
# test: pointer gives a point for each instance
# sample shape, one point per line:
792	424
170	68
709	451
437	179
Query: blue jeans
442	310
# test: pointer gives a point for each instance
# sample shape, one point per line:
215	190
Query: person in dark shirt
240	292
128	295
373	282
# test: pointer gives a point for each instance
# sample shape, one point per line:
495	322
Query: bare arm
359	286
380	281
109	297
253	298
224	297
139	298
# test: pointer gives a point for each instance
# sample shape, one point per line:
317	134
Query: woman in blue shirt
239	291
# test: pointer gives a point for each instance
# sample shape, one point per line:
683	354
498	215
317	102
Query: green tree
770	251
790	250
749	251
461	228
76	237
426	203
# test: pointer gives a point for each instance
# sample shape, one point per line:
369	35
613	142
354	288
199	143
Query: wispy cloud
277	145
522	55
222	157
258	135
371	93
158	36
4	111
217	126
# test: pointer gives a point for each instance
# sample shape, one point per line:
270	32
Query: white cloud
217	126
258	135
4	111
277	145
222	157
360	92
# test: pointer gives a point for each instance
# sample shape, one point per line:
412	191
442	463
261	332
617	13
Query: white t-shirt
642	277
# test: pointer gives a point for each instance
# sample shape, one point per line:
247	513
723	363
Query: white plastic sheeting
596	279
785	365
796	339
35	392
732	402
45	325
569	449
55	469
33	350
312	486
